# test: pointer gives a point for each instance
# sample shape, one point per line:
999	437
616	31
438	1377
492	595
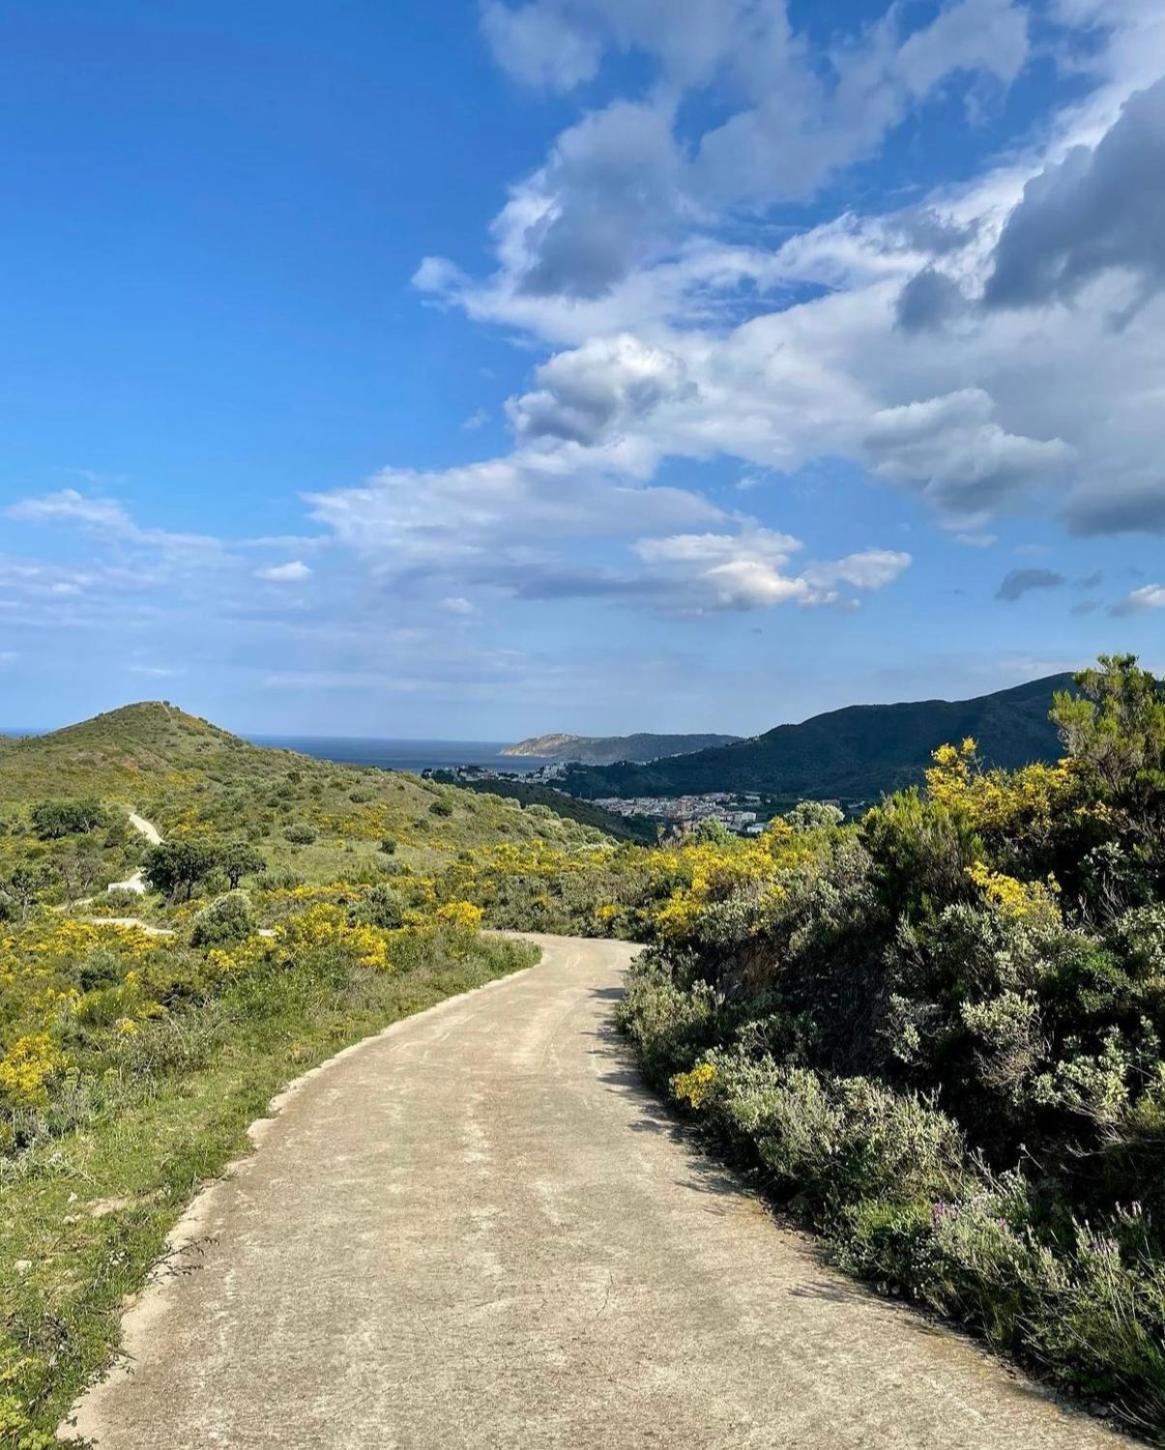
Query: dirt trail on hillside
479	1230
137	882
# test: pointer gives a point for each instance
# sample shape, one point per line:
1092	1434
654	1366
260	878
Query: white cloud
951	450
675	343
293	572
749	569
1141	601
492	514
538	46
70	506
455	604
870	569
604	386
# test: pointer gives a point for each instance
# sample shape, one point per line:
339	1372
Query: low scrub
938	1035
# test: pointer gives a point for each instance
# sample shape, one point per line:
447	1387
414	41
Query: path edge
82	1421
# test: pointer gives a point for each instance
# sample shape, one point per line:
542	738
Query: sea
414	755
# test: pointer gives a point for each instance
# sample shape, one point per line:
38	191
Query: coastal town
744	814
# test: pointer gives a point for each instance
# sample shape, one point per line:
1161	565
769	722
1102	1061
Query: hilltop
854	754
313	816
609	749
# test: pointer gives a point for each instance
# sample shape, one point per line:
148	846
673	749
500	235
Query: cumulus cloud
293	572
621	186
606	200
1142	601
583	395
1022	581
750	569
952	451
929	300
1097	210
538	45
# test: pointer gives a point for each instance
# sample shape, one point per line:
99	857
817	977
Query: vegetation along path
478	1230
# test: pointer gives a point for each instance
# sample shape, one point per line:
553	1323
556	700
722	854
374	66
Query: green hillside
538	798
315	818
854	754
608	749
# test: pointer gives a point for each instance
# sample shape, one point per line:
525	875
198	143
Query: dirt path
137	882
478	1230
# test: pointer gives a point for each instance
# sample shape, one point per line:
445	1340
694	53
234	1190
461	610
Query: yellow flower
26	1069
693	1087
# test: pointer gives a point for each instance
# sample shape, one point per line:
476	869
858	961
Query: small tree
175	868
238	859
1115	731
56	818
814	816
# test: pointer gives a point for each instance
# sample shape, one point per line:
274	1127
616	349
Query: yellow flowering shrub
1030	901
26	1068
461	915
998	801
693	1087
325	925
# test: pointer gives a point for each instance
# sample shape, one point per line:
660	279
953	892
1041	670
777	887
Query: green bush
940	1036
223	923
300	834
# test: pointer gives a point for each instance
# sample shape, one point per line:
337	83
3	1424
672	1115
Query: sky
473	370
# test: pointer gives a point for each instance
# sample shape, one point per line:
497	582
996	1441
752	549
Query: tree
175	868
1115	731
53	819
19	894
238	859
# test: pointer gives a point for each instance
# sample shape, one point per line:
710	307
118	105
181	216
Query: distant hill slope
852	754
530	794
607	749
188	775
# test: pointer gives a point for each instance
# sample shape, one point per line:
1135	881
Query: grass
84	1212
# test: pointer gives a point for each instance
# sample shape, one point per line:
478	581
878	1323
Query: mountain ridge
640	747
855	753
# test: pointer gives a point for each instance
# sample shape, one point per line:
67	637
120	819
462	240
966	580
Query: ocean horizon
411	755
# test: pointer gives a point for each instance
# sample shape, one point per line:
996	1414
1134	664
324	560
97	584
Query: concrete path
478	1230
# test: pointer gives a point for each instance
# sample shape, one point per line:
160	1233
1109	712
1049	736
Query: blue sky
476	370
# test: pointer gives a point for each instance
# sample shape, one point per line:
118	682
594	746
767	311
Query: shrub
223	923
383	907
300	834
